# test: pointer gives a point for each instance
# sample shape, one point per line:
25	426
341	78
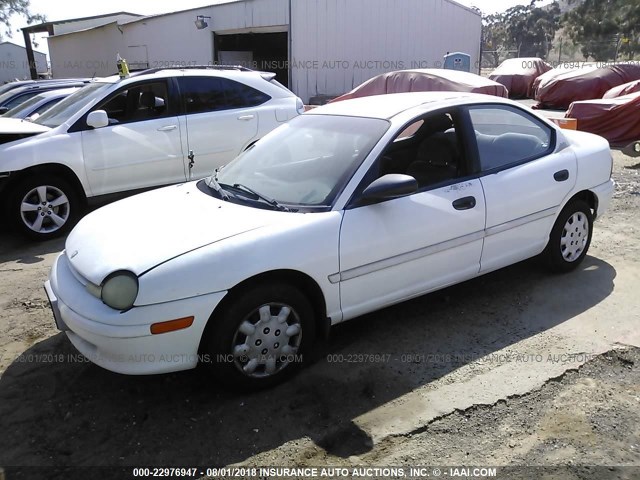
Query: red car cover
426	80
616	119
518	74
624	89
558	88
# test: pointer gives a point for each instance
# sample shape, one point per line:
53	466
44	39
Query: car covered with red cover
624	89
615	119
558	88
518	75
426	80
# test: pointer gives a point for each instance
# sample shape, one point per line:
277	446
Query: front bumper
122	342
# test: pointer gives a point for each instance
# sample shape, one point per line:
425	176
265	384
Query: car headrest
148	100
437	151
438	123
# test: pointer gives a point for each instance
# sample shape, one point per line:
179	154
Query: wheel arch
296	278
49	169
588	197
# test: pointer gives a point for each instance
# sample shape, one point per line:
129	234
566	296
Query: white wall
244	16
14	64
338	44
168	40
87	53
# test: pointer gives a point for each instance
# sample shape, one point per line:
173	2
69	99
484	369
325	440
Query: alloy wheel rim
267	340
575	235
45	209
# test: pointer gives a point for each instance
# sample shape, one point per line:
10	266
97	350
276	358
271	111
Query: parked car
518	75
336	214
23	83
38	104
622	90
615	119
116	136
426	80
17	96
560	87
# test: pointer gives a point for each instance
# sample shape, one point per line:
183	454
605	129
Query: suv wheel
44	207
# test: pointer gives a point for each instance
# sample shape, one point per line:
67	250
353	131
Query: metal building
317	47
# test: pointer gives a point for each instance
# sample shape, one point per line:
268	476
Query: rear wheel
43	207
570	238
261	336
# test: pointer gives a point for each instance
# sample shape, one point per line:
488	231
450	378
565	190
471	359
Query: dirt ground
514	368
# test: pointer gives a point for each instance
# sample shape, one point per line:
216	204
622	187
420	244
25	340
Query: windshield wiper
274	203
213	183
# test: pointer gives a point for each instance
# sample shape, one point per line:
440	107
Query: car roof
46	86
221	71
58	92
390	105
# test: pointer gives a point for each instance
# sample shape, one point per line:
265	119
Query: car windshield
6	97
24	108
61	112
306	162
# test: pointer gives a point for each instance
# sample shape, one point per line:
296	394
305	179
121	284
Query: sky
65	9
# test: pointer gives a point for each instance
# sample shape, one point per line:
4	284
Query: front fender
309	244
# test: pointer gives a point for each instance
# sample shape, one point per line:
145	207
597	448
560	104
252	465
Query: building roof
48	26
211	3
20	46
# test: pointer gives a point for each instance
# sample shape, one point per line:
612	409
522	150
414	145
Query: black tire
268	343
50	215
562	258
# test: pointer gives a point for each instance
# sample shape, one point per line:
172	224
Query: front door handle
465	203
561	176
246	118
167	128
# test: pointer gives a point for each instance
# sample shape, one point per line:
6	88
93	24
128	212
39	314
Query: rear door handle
246	118
167	128
561	176
465	203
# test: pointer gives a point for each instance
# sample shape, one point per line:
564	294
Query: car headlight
120	290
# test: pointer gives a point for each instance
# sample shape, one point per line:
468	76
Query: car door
141	147
400	248
525	178
220	120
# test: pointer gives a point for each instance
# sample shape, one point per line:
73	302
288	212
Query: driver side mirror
391	185
98	119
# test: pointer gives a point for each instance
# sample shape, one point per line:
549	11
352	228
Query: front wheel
570	238
260	337
43	207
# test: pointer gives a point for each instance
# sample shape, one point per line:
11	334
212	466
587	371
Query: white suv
154	128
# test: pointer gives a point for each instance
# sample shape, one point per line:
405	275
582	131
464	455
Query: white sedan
347	209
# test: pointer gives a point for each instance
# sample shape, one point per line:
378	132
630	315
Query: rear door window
507	136
210	94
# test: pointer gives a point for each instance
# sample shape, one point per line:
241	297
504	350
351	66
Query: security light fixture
201	23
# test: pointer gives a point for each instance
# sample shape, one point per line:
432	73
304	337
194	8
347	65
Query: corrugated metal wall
248	14
338	44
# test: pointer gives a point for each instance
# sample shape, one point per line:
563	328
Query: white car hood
140	232
15	125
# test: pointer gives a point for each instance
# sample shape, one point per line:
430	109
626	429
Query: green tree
531	29
605	29
524	30
9	8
